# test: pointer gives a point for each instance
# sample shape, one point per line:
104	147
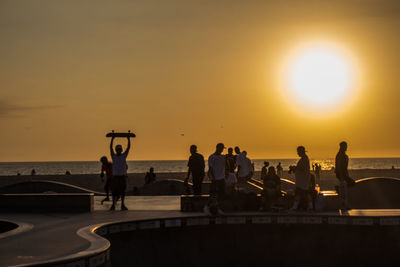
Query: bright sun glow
320	77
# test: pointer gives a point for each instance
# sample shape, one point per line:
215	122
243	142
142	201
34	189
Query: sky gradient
70	71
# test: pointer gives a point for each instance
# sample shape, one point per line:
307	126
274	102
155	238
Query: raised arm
128	147
111	146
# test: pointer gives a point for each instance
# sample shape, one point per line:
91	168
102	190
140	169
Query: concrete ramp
34	187
375	193
165	187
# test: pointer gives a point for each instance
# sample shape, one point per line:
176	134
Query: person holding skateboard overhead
119	168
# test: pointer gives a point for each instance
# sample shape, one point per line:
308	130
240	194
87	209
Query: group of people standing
303	177
227	171
224	170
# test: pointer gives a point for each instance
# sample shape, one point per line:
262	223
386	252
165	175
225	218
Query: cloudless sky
70	71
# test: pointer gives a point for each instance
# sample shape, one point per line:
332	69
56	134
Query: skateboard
114	134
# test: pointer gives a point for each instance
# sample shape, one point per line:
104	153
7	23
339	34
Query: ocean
93	167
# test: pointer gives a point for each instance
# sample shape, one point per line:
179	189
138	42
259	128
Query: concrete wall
46	202
268	241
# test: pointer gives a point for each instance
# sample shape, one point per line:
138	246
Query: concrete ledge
100	253
375	193
134	243
21	227
196	203
78	202
96	255
43	186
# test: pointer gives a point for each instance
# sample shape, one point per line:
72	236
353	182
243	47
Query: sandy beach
93	181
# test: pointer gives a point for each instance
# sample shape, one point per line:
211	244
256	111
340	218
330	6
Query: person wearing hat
302	177
342	174
119	172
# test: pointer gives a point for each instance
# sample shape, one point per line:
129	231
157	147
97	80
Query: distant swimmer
196	167
119	172
106	168
302	176
342	173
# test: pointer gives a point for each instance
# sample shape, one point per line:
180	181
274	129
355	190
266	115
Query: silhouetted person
67	173
18	174
216	172
238	154
302	176
317	172
245	168
106	167
230	166
119	171
150	176
33	172
264	170
279	170
272	188
196	167
342	173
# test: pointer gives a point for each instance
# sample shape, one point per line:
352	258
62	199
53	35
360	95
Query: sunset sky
214	71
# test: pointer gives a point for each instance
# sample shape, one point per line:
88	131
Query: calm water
92	167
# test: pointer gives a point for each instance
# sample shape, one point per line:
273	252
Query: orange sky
70	71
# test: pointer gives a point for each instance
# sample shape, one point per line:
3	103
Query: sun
319	78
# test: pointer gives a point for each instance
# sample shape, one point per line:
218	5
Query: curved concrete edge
304	219
21	228
97	254
377	178
85	190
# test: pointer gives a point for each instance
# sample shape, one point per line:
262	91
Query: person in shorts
245	168
196	168
302	176
342	174
216	172
119	172
106	168
230	166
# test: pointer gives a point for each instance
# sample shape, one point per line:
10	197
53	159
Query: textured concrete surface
54	235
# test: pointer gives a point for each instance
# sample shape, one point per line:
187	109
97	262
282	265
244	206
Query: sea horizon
161	166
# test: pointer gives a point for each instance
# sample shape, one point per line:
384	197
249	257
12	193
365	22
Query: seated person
272	188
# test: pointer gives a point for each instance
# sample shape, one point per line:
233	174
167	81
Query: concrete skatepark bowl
155	233
254	241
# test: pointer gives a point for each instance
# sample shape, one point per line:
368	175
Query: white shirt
217	163
245	165
119	164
